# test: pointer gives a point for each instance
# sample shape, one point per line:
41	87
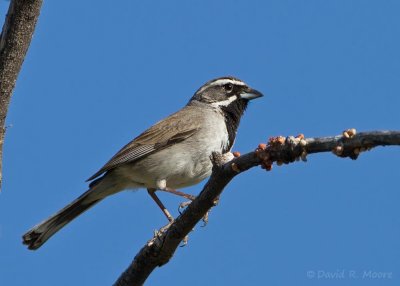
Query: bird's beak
250	94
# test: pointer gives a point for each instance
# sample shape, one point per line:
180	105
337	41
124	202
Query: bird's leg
181	194
162	186
152	193
205	217
178	193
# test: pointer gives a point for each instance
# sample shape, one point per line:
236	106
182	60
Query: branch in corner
15	39
160	249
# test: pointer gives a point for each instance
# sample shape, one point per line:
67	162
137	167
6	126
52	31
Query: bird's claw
205	219
183	206
185	241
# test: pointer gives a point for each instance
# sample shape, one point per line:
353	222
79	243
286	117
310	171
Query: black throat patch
232	114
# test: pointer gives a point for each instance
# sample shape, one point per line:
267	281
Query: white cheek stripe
225	102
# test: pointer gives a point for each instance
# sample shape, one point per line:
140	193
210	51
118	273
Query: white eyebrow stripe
224	81
221	82
224	102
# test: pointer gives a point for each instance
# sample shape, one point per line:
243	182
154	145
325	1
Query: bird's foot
183	205
205	218
185	241
159	232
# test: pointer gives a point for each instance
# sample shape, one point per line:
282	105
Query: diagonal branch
15	39
159	250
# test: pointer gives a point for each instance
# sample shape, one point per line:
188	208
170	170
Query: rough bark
160	249
15	39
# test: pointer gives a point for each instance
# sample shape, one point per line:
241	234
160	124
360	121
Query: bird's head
225	93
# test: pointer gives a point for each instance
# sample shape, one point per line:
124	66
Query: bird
172	154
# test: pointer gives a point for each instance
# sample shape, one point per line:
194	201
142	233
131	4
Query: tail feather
40	233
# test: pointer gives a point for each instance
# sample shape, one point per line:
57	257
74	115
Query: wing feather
175	128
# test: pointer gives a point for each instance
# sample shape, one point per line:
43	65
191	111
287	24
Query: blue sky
96	75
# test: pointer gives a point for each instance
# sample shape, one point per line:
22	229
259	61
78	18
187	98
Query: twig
159	250
15	39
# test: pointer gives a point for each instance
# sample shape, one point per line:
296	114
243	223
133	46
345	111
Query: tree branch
15	39
159	250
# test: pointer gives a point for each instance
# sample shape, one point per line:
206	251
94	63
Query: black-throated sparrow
172	154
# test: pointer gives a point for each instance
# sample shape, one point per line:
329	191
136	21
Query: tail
40	233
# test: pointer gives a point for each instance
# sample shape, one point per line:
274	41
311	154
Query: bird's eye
228	87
